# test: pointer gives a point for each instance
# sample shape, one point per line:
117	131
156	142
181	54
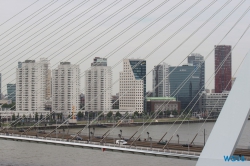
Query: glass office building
11	91
185	84
198	60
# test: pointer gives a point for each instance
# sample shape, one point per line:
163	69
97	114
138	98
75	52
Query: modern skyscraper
98	82
133	85
161	80
11	91
223	57
183	86
66	88
198	60
32	85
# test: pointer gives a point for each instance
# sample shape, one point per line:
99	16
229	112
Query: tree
41	116
13	116
118	114
80	114
29	117
136	114
36	116
17	115
61	116
24	117
109	114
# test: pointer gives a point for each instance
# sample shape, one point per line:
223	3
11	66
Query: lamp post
148	135
150	142
121	133
89	124
56	128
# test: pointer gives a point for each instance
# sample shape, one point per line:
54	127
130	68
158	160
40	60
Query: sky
77	31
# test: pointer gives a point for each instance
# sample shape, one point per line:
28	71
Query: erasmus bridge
19	41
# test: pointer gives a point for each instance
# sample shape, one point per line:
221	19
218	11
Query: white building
161	80
98	82
132	87
212	101
66	88
33	85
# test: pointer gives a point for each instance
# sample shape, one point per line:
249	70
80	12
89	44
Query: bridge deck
194	151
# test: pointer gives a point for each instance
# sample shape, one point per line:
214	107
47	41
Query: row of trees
37	116
110	115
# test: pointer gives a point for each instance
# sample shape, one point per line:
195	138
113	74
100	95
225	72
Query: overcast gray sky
28	39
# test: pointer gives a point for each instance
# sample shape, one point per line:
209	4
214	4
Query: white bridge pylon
230	123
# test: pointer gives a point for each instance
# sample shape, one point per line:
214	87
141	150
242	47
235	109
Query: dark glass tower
11	91
198	60
184	88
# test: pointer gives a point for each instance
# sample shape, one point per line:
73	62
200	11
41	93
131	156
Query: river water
31	154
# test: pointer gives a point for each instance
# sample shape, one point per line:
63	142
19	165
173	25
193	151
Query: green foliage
11	106
36	116
110	114
80	114
136	114
118	114
13	116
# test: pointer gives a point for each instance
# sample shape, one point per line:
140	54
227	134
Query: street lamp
178	138
56	128
150	142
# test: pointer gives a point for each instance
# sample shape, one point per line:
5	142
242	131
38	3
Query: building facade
161	86
32	84
185	85
223	63
198	60
11	91
212	102
133	85
156	104
98	82
66	88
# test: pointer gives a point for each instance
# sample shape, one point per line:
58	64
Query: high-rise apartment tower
32	85
66	88
98	82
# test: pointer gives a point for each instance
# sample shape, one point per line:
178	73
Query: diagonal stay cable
129	15
18	13
168	39
243	15
158	19
210	81
204	40
48	26
32	26
42	9
219	99
90	30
